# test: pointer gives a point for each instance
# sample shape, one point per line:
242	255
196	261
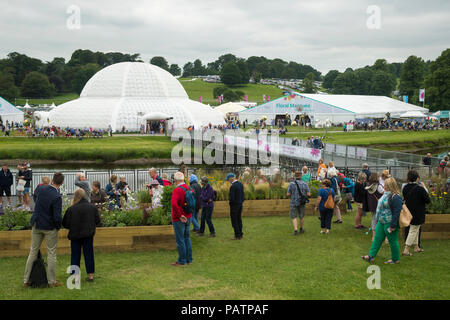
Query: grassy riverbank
107	149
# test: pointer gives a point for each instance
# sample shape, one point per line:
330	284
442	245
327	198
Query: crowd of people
377	193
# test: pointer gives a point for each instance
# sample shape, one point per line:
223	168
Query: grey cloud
326	34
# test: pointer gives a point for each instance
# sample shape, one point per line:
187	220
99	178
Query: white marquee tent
10	113
128	94
336	108
229	107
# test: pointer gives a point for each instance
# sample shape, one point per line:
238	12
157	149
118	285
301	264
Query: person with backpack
183	204
325	204
388	214
207	196
46	222
416	197
236	199
299	193
196	189
332	176
374	191
81	219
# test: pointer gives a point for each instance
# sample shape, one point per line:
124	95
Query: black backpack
38	275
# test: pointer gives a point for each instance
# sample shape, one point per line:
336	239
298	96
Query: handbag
405	217
21	185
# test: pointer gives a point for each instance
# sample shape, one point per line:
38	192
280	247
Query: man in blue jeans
181	221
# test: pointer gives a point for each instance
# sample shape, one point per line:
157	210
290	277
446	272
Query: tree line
29	77
408	77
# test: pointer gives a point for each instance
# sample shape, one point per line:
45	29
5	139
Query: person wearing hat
195	187
157	191
236	199
207	198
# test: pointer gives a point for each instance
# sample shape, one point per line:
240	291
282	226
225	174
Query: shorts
295	212
5	190
26	190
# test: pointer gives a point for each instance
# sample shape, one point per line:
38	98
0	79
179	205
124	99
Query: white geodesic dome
128	93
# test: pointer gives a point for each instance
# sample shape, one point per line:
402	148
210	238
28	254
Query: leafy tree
264	69
242	65
412	77
36	85
8	89
308	84
21	65
437	83
257	76
253	61
57	81
329	78
381	65
224	59
160	62
55	67
364	78
345	83
187	69
230	74
383	84
174	69
198	69
83	75
82	57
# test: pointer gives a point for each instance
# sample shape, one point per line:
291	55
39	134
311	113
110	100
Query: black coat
47	209
236	196
360	192
81	219
416	197
6	178
197	190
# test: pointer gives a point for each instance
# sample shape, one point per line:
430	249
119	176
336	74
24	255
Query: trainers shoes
295	233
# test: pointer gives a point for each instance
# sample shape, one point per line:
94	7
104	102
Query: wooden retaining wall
437	226
142	238
261	208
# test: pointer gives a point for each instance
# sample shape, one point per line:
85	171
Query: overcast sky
327	34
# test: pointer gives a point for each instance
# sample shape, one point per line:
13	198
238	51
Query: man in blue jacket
6	181
46	222
236	199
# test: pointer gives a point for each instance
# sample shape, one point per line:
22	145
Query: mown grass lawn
269	263
368	138
106	149
255	92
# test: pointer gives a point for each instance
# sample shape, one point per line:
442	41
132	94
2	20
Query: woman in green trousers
388	213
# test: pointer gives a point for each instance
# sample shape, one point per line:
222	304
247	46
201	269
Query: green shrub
15	220
144	196
159	217
314	187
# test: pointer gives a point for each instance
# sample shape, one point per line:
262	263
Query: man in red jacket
181	221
